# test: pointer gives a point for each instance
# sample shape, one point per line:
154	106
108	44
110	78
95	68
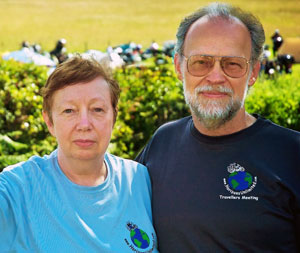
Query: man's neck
239	122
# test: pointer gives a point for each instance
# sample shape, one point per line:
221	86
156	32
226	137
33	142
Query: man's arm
141	157
297	224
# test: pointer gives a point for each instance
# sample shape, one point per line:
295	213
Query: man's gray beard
211	114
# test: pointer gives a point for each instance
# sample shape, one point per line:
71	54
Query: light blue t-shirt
41	210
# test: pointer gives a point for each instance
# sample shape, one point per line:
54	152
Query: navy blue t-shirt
233	193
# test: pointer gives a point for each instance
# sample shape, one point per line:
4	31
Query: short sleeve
7	219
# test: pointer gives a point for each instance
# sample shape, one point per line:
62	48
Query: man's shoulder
173	126
164	139
273	129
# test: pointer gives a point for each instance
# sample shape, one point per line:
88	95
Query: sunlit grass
95	24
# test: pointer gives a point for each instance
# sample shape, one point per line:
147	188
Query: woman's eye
98	109
68	111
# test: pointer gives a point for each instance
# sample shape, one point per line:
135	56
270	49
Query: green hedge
150	97
22	130
277	99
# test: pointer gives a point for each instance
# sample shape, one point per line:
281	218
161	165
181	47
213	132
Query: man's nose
216	74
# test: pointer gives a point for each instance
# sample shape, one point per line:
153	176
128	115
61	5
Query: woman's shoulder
123	162
27	170
132	174
126	167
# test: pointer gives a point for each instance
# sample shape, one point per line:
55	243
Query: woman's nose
84	121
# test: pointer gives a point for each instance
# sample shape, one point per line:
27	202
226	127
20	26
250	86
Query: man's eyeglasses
233	66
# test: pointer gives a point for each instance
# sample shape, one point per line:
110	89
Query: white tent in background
111	59
28	56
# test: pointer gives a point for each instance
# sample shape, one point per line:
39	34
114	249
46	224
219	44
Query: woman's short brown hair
78	70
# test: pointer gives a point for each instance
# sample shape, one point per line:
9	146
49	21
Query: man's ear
254	74
177	64
49	123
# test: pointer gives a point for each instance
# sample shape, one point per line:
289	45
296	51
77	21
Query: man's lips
213	94
84	142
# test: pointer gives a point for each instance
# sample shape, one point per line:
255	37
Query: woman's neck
83	172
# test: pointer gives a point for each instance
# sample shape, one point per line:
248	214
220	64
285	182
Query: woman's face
82	120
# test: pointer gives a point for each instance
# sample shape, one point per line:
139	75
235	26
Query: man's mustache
214	88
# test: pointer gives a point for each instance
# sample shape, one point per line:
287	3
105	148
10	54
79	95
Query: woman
79	198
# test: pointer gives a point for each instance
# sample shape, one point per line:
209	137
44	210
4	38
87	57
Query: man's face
216	98
82	120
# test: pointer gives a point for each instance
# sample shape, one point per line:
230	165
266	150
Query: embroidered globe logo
240	180
139	238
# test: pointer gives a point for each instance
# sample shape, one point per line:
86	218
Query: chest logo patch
239	181
139	238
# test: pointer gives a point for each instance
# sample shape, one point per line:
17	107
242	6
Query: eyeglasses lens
200	65
234	66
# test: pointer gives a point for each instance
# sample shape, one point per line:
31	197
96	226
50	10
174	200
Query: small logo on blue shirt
139	238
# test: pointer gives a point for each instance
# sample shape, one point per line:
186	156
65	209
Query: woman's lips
84	143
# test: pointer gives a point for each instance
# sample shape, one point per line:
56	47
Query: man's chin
211	121
213	103
214	117
212	111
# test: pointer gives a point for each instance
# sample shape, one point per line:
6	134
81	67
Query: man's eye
233	64
201	63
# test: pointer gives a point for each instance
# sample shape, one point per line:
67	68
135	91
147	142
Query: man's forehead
215	20
218	36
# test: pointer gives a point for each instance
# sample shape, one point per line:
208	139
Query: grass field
95	24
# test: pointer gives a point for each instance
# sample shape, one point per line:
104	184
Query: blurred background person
277	41
60	52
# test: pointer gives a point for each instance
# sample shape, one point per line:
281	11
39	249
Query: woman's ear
49	123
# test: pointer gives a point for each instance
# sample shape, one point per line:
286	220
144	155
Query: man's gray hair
227	12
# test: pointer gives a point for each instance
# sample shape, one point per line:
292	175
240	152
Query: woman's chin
86	155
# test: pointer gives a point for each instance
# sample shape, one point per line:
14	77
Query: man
223	180
277	41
